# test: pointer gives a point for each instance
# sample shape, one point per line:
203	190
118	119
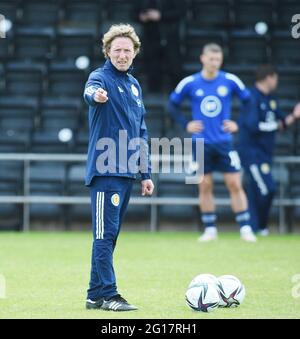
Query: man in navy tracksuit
116	118
259	122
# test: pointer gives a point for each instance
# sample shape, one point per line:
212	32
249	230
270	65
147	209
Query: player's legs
265	214
238	197
260	191
94	291
228	162
252	195
206	197
239	205
109	198
208	209
267	202
102	272
126	196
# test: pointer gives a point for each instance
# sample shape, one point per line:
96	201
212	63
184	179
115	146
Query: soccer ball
203	297
231	290
204	278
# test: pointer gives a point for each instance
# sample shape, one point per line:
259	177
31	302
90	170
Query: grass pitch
47	274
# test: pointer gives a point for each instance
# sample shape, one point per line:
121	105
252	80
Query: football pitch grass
46	274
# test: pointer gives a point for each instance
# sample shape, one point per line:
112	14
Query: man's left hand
147	187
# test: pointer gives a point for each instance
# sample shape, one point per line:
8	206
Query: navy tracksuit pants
260	189
109	199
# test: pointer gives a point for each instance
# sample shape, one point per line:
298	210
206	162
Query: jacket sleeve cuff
145	176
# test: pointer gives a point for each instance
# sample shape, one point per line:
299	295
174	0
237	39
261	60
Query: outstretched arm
291	118
94	92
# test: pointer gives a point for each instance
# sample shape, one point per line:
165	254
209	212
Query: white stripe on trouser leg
259	180
97	215
101	216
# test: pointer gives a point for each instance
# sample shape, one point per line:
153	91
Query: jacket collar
109	66
260	92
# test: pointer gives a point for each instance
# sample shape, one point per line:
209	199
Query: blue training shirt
124	111
258	124
210	103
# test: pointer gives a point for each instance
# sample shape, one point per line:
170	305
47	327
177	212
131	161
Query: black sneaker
94	304
117	304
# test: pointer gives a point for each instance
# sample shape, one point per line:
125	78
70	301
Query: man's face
211	61
272	82
122	53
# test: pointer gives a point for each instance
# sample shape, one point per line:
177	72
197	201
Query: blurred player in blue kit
259	122
210	93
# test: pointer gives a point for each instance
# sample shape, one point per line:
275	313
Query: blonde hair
212	47
120	31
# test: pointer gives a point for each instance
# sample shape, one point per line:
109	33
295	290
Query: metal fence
26	199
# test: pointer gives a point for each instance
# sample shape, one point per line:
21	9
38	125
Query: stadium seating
65	80
10	9
47	178
40	13
17	119
155	116
48	173
10	185
284	47
34	43
59	114
285	142
72	43
45	141
289	83
82	139
84	13
24	78
173	184
120	10
14	141
246	47
201	12
75	188
285	11
10	172
248	13
6	47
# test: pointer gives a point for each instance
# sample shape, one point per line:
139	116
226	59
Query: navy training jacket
124	111
258	124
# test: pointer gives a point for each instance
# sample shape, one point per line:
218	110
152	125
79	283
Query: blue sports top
210	102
